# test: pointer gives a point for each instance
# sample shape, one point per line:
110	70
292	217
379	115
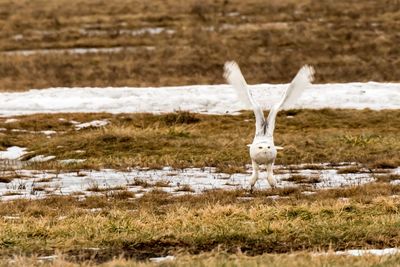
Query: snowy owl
263	149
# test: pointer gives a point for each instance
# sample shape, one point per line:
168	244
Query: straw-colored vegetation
100	228
186	42
184	140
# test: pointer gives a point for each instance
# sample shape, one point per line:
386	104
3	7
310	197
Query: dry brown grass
352	169
158	224
303	179
220	258
345	40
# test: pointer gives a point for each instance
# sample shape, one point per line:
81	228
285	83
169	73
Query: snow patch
363	252
161	259
208	99
48	132
88	50
95	123
14	152
41	158
11	120
71	161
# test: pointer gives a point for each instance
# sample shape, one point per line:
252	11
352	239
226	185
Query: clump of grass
181	117
8	176
384	164
44	180
38	189
6	179
121	194
302	179
313	167
96	188
11	193
387	178
140	182
162	183
184	188
351	169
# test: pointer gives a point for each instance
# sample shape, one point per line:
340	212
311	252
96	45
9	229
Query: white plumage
263	149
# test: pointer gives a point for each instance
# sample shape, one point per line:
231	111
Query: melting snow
169	180
48	132
14	152
11	120
161	259
362	252
210	99
87	50
70	161
95	123
41	158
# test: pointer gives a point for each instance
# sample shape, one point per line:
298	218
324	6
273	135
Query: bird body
263	149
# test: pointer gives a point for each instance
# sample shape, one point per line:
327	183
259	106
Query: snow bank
209	99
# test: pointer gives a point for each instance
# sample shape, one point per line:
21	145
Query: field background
346	41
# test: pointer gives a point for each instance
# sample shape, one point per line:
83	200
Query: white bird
263	149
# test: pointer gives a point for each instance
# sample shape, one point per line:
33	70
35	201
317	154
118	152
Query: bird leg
270	175
254	176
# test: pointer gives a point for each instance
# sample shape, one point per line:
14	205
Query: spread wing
300	82
234	76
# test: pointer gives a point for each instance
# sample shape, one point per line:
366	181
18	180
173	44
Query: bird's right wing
235	77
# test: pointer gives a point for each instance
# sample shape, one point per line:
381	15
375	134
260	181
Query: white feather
235	77
300	82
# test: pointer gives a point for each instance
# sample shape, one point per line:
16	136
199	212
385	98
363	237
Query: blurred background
173	42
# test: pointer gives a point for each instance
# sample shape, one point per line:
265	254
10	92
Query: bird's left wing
300	82
235	77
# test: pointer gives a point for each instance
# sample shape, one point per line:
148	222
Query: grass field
184	140
186	42
235	227
100	228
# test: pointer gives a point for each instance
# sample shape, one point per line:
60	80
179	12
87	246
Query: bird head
263	151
